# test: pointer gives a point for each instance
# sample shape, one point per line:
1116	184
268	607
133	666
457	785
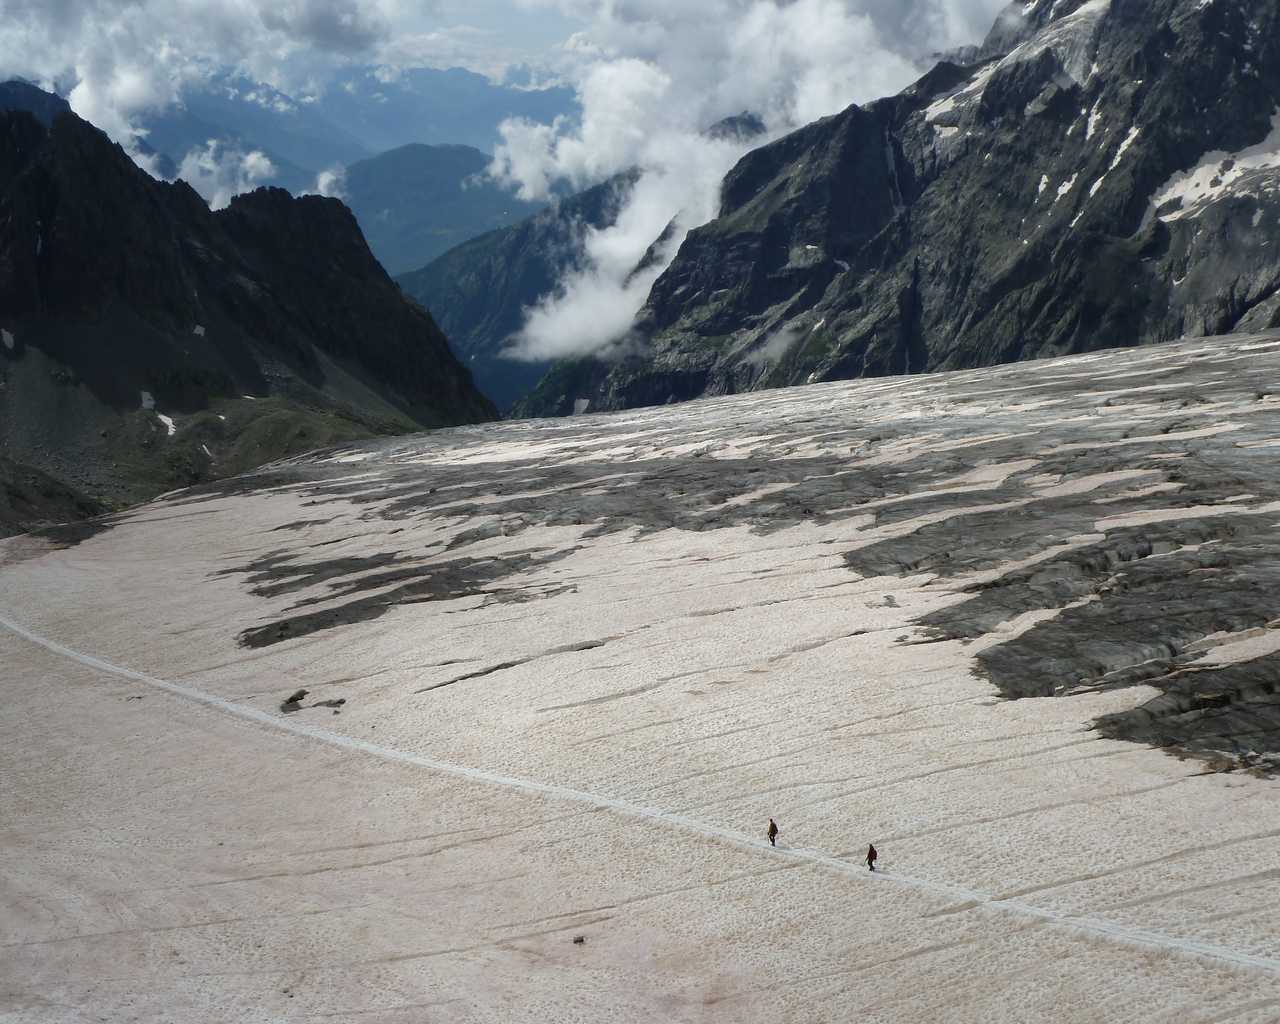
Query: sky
120	58
650	77
486	36
527	32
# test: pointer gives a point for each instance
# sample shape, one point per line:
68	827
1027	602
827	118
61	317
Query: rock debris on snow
1016	623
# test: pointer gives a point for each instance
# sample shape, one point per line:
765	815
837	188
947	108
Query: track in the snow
1093	926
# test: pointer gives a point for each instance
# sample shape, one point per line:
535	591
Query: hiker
773	832
871	857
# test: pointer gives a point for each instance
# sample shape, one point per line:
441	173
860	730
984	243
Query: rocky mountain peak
151	342
738	128
1103	175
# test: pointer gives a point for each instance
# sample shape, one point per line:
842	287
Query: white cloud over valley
650	76
653	75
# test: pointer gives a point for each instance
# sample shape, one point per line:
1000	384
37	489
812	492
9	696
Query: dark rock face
1035	203
480	289
16	94
136	323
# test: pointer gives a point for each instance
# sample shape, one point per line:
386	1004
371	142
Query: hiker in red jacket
871	857
773	832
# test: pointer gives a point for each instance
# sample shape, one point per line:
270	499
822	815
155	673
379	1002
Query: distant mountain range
482	288
147	342
349	119
414	149
416	202
434	106
246	116
413	202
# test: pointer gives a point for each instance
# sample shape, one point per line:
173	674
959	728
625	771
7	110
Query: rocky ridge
1104	173
149	342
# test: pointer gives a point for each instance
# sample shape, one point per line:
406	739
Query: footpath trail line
1109	930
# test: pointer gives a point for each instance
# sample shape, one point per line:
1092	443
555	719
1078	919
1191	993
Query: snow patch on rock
1095	118
939	110
1129	140
1220	174
1072	39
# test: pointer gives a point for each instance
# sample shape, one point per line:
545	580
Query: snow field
623	722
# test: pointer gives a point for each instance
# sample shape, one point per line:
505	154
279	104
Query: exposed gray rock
356	594
30	499
1031	204
1097	524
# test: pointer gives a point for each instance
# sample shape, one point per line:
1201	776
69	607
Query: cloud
338	26
775	349
118	58
653	75
219	172
622	101
331	182
593	307
591	313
